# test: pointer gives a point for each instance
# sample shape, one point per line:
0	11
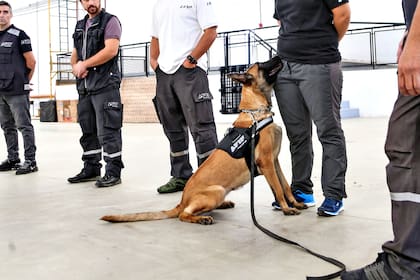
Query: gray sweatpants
402	147
307	93
14	115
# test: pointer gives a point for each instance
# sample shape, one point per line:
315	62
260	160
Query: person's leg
109	114
403	178
92	150
192	89
401	256
298	126
9	129
321	87
174	125
19	106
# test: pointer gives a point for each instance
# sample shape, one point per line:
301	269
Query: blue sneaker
330	207
306	198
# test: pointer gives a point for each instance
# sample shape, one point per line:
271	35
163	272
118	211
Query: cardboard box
67	110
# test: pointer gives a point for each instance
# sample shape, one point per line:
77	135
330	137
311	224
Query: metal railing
366	44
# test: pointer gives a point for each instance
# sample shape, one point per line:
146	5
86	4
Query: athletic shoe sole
330	214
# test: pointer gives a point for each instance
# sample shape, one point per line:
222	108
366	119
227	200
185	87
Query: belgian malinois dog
221	173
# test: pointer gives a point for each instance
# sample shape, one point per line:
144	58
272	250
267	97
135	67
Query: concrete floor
50	229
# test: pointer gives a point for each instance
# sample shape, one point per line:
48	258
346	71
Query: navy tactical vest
102	76
14	78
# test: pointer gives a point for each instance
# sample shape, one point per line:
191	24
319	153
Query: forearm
103	56
205	42
409	60
154	52
341	19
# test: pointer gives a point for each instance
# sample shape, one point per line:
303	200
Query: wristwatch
191	59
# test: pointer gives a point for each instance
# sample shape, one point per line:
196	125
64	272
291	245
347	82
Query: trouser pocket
113	114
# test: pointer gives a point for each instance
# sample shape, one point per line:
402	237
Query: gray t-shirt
112	30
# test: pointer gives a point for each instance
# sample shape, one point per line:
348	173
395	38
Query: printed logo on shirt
209	3
186	7
6	44
25	42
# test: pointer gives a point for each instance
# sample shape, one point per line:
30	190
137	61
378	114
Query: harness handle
333	261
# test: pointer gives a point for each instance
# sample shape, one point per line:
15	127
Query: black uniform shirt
409	6
307	34
24	40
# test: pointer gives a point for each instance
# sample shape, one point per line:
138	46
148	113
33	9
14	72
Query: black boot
28	166
85	175
108	181
8	165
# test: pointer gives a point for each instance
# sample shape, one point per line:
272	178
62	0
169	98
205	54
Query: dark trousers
183	101
14	116
100	118
307	93
402	147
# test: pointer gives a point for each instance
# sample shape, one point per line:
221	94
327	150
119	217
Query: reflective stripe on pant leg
9	130
92	150
174	124
403	177
109	114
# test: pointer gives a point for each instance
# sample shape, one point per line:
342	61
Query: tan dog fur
220	173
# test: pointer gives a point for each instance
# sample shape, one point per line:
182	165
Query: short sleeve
205	14
25	42
113	29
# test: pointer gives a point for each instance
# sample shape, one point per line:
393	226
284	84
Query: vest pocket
6	80
5	55
113	114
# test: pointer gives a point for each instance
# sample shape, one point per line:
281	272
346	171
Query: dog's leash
275	236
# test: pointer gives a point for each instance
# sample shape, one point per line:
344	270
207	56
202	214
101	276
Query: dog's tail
143	216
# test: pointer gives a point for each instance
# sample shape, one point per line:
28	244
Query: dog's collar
255	113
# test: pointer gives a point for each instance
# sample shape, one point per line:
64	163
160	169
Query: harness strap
280	238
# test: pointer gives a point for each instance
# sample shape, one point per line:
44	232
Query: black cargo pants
15	115
183	101
100	118
402	147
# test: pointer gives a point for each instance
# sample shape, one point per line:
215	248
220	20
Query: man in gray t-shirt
94	62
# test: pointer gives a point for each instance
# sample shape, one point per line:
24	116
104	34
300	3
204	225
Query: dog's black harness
237	142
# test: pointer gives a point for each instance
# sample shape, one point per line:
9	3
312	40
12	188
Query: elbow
211	33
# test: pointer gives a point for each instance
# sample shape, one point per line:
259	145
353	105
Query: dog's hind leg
202	202
227	204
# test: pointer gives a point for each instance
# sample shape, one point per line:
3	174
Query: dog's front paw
300	205
290	211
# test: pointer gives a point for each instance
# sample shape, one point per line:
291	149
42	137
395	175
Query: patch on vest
237	142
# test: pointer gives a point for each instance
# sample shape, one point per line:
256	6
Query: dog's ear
271	68
243	78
